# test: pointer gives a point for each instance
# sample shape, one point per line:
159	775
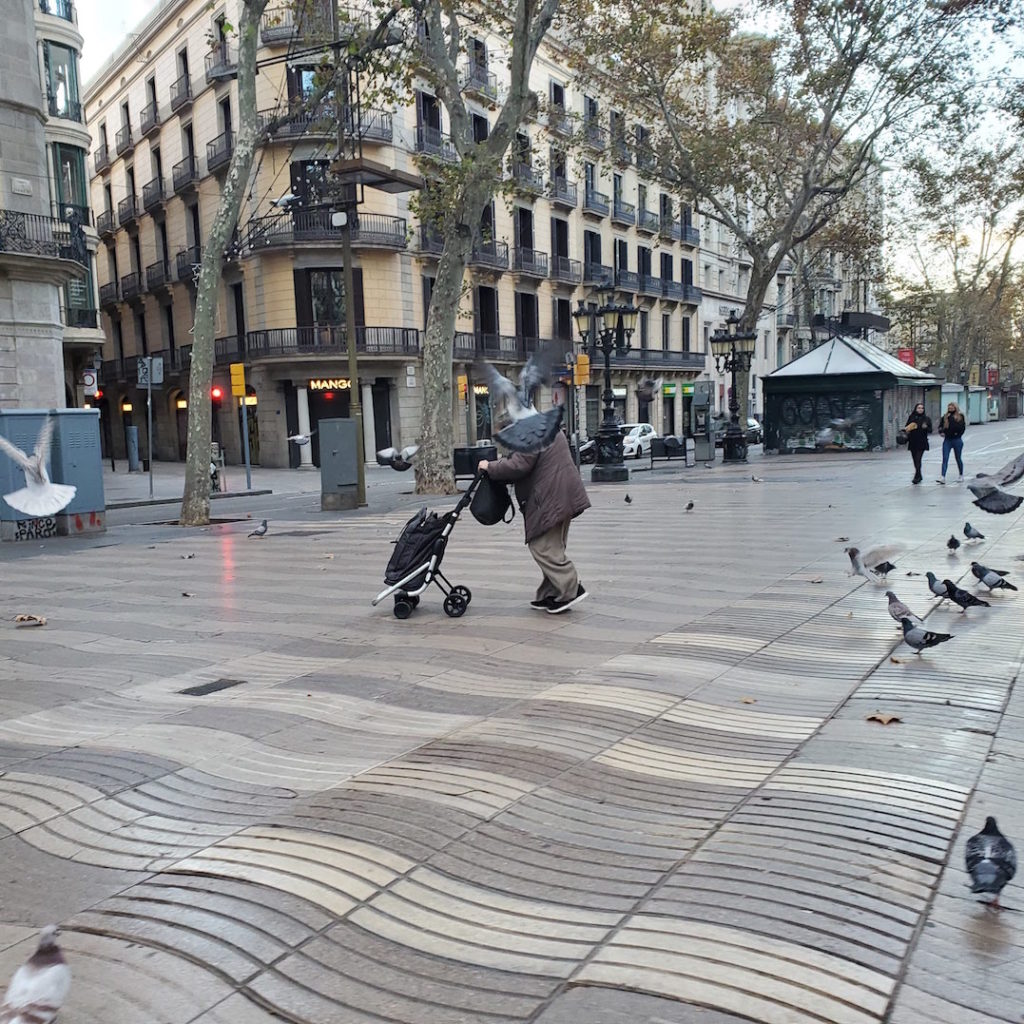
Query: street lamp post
617	323
733	350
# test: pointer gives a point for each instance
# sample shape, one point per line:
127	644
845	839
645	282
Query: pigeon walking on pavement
935	585
884	568
530	430
952	544
398	460
899	611
39	497
971	533
963	598
39	986
876	558
919	638
689	506
260	530
991	861
992	578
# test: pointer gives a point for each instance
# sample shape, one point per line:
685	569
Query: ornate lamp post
733	350
607	326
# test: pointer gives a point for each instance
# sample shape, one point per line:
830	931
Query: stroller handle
466	498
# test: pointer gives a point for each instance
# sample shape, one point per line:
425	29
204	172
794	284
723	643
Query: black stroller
416	561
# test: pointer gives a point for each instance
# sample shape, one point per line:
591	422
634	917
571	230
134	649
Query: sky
104	24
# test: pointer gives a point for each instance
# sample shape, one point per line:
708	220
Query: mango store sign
329	384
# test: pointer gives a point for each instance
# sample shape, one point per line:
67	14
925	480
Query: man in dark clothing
550	495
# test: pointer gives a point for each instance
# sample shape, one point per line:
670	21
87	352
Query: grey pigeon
260	530
859	561
899	611
919	638
884	568
971	533
991	499
1006	475
530	430
963	598
991	861
40	986
992	578
757	479
397	460
935	585
689	506
39	497
302	439
629	500
952	544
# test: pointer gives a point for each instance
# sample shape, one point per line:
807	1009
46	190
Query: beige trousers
548	550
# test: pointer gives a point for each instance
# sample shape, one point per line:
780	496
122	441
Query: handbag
902	437
492	502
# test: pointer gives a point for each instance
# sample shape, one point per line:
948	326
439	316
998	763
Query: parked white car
636	439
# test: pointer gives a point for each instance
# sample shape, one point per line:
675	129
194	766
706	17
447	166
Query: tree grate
217	684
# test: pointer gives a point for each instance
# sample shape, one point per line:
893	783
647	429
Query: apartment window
521	153
183	63
617	187
169	328
188	141
558	165
60	65
428	292
69	167
309	181
527	315
108	199
118	340
428	111
621	254
617	126
665	208
141	341
643	260
161	242
192	228
523	225
221	35
129	181
590	176
103	136
557	94
591	248
320	296
666	331
667	266
487	222
559	238
151	92
480	128
126	117
645	328
561	319
301	81
688	272
225	116
157	164
591	109
478	53
686	334
641	197
136	255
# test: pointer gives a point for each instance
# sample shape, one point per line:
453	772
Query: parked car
636	439
754	432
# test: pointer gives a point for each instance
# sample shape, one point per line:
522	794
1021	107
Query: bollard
131	444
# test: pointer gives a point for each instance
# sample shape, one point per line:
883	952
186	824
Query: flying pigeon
827	434
899	611
936	586
38	497
952	544
919	638
971	533
963	598
302	439
992	578
991	861
859	561
399	460
40	986
260	530
530	430
985	488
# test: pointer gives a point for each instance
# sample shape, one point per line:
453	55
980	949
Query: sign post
150	372
238	391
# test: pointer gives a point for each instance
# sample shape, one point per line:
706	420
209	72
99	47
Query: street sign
237	379
89	386
157	376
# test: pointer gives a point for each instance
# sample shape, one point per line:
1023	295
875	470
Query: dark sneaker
542	604
557	607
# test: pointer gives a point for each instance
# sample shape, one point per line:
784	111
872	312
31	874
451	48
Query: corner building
162	114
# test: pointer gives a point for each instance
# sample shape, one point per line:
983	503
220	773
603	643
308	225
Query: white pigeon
39	986
400	460
859	561
301	439
38	497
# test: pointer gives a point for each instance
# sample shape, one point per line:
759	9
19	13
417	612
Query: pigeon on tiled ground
992	578
899	611
40	986
260	530
952	544
991	861
962	597
39	497
919	638
935	585
860	560
884	568
971	533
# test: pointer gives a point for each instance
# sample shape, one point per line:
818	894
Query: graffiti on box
36	529
838	421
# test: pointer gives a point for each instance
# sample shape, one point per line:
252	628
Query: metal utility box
466	459
74	459
339	469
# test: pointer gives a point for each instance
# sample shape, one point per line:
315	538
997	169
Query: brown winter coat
548	486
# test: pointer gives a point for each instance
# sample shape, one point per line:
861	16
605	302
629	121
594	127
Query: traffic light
463	386
216	392
238	379
581	373
99	394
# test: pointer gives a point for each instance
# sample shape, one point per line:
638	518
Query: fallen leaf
185	593
816	579
883	717
328	556
191	555
840	540
913	574
748	700
896	661
849	615
30	620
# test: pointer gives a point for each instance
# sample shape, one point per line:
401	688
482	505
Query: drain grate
217	684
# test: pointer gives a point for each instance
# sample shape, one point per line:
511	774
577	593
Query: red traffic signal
99	394
216	392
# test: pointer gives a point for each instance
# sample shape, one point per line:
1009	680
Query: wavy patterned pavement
271	802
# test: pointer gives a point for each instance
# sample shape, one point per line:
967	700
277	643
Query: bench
667	448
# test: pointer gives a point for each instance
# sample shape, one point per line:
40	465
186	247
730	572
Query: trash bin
467	458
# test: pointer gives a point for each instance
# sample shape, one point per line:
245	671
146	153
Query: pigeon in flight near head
991	861
899	611
529	431
260	530
935	585
971	533
919	638
302	439
38	497
963	598
992	578
40	986
1006	475
400	460
952	544
985	488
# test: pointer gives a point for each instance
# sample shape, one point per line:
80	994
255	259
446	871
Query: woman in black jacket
918	428
952	427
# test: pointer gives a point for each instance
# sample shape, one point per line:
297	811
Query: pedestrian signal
581	374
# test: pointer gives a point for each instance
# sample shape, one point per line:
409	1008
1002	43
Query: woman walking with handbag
918	427
952	427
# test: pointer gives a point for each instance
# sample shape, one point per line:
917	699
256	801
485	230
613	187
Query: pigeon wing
385	455
538	370
998	502
409	451
16	454
1008	474
532	433
881	554
43	441
501	387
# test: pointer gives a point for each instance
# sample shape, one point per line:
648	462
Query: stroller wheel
455	605
414	600
464	592
403	608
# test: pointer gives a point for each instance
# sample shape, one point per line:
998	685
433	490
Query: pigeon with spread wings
530	430
39	497
986	488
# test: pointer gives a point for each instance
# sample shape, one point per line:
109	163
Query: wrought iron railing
492	254
595	202
127	210
434	142
562	192
181	92
530	261
124	140
152	193
184	173
623	212
218	151
31	234
284	341
70	110
149	118
368	229
597	274
566	270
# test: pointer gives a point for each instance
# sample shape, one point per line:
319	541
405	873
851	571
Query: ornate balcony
563	193
559	121
185	260
478	81
124	140
108	295
153	195
785	320
105	223
433	142
185	175
595	203
598	275
690	235
127	212
218	152
181	93
149	119
131	286
318	340
674	291
594	136
529	262
660	357
221	64
647	221
649	285
430	242
527	178
623	213
671	228
101	159
158	276
369	230
566	271
492	255
692	294
627	280
29	234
